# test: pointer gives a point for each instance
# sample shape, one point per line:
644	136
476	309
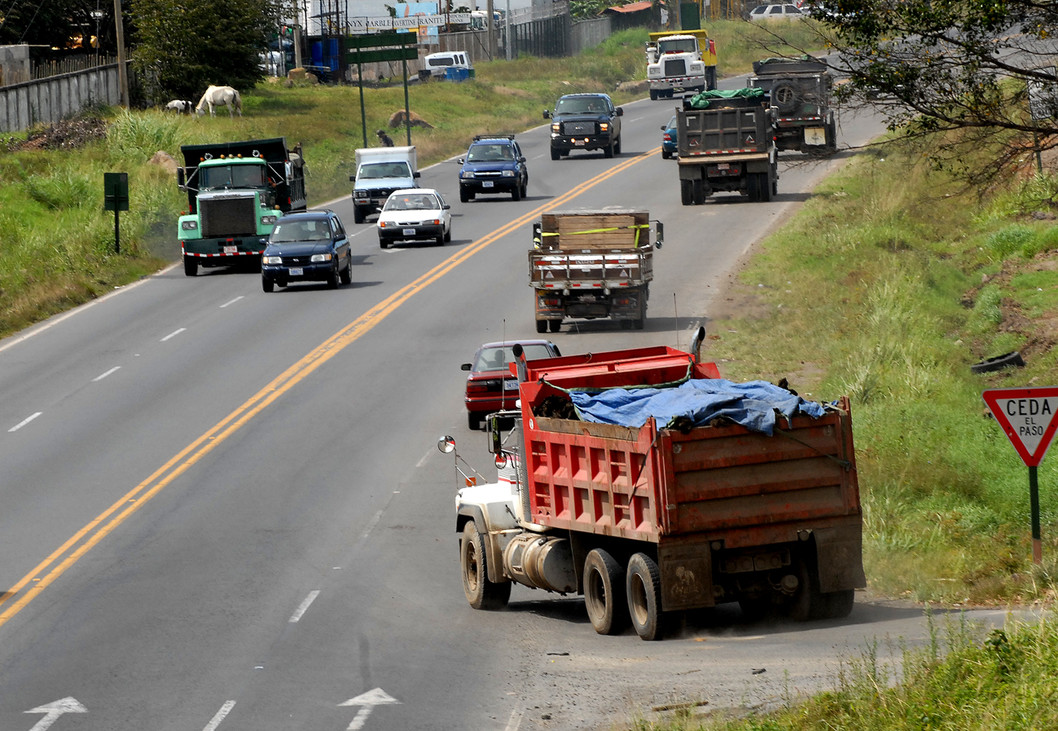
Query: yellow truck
680	62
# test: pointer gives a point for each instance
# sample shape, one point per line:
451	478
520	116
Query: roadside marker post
1029	417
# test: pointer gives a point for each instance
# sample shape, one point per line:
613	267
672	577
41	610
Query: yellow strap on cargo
636	226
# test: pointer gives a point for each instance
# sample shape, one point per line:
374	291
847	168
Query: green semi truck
235	193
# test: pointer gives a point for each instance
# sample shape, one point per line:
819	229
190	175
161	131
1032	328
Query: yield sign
1028	417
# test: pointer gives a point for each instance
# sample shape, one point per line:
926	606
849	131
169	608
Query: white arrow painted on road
368	700
53	710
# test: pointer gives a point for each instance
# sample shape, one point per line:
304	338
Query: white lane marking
221	715
372	524
101	376
231	302
25	421
514	721
173	334
367	701
303	607
53	710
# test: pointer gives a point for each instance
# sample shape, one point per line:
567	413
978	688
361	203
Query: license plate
296	271
231	249
510	385
487	184
408	232
723	166
815	136
580	143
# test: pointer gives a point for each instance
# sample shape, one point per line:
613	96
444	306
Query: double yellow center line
70	552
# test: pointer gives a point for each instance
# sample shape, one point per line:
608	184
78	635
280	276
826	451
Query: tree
951	65
65	26
182	46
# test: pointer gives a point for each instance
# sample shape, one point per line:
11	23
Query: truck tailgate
555	269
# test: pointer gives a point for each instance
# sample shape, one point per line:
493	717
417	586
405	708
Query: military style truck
724	142
592	264
235	193
379	172
800	91
643	481
680	62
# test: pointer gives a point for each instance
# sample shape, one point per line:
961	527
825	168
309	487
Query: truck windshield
233	176
681	45
580	106
378	170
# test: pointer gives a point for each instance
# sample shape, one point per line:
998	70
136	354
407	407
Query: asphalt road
224	510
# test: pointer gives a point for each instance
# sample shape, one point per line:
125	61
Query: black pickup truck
585	122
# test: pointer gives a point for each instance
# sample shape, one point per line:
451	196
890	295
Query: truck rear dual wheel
686	192
698	191
604	593
541	326
190	266
480	592
554	325
643	587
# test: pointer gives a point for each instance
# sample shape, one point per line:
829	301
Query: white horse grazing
217	96
180	105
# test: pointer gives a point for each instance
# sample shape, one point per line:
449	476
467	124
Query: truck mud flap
839	553
686	576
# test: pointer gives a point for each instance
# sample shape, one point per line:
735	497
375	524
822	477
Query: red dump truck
674	514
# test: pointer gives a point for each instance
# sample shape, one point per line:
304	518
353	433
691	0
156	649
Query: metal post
407	103
507	31
1034	506
123	77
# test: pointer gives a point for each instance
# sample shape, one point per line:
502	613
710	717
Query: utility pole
123	77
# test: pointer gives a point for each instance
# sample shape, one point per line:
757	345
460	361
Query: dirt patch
64	135
1040	333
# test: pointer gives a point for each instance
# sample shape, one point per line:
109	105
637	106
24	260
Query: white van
439	63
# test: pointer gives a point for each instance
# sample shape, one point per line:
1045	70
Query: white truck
680	62
379	172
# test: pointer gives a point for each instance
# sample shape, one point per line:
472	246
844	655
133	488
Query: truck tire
473	422
686	193
190	266
807	603
608	150
710	78
764	186
464	196
643	587
555	154
653	95
604	593
554	325
617	146
785	96
516	193
267	284
753	187
541	326
698	191
837	604
358	214
480	592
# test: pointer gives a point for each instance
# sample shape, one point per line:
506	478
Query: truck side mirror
547	114
352	178
416	174
660	235
495	436
620	111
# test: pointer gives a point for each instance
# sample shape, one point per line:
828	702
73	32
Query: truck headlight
272	259
360	194
604	127
189	225
697	68
321	257
556	128
507	174
268	220
466	174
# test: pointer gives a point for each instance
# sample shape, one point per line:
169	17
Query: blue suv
493	164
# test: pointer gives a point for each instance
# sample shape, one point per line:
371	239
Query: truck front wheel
604	597
643	585
480	592
190	266
358	214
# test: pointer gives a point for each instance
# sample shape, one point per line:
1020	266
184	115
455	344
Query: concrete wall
14	64
58	97
589	33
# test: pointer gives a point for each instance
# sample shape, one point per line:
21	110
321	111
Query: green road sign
381	40
408	53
